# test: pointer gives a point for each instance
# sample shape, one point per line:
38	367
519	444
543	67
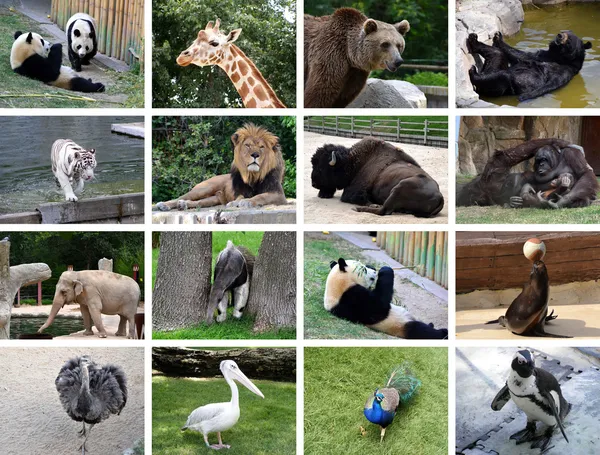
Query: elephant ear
77	287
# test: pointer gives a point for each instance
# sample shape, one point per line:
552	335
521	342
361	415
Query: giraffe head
210	47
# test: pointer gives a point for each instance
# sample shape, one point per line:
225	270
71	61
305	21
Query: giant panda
350	295
34	57
81	39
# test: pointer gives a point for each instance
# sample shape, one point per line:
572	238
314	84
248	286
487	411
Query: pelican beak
242	379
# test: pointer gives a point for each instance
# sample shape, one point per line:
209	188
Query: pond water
541	26
60	326
26	178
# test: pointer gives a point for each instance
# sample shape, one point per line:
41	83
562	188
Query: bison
376	176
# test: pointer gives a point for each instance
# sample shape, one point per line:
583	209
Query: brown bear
342	49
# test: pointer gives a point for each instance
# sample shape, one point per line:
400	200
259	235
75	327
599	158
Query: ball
534	249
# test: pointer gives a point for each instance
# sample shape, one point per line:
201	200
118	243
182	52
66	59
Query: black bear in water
508	71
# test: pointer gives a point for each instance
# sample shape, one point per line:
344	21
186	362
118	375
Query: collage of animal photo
281	227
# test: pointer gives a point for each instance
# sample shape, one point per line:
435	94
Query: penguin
537	393
528	313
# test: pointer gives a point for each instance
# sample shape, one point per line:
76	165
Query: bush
428	78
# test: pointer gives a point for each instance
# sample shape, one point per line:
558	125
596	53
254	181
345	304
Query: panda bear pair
350	295
34	57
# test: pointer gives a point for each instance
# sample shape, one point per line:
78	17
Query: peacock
381	407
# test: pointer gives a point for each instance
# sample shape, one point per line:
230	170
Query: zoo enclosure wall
120	25
433	133
427	252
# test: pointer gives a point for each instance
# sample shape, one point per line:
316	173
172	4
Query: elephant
97	292
233	272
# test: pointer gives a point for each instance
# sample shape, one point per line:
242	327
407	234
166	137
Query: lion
255	179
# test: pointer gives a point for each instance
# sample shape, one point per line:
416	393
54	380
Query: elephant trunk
56	306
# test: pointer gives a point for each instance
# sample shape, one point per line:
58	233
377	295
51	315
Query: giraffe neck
254	90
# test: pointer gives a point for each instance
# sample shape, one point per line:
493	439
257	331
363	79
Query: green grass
318	322
346	123
13	84
497	214
337	383
231	329
249	239
266	427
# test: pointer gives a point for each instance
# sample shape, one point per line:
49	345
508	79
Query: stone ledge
264	215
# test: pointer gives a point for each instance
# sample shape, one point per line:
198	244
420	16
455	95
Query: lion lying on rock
255	179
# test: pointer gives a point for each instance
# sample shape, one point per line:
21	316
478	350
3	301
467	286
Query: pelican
221	416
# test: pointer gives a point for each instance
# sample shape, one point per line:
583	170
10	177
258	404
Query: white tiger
72	164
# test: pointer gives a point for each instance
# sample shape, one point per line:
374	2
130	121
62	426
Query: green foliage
82	250
347	376
189	150
266	427
428	35
427	78
268	38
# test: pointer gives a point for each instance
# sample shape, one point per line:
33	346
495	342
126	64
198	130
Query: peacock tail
404	381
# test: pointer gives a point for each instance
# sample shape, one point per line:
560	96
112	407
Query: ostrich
90	393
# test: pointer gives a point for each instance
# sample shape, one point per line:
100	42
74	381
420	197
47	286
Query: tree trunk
276	364
182	281
11	280
273	288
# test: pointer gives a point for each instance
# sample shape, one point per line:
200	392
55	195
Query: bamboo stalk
124	31
97	5
53	11
132	31
110	26
117	30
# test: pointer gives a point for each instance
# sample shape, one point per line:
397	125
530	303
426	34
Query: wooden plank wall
120	25
495	260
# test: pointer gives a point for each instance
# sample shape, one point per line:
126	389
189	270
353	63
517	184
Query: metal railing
428	132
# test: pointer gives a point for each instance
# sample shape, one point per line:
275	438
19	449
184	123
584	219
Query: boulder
485	18
380	93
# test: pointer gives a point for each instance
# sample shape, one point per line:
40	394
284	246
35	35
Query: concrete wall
480	136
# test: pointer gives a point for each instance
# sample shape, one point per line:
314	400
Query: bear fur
508	71
341	50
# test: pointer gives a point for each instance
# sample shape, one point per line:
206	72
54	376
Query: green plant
427	78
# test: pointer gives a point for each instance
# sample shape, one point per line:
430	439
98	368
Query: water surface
60	326
541	26
26	178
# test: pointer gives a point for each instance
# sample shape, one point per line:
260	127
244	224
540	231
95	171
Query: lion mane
272	159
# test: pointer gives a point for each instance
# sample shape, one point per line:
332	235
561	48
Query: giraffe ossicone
212	47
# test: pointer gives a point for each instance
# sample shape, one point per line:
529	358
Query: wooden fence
427	132
120	24
427	252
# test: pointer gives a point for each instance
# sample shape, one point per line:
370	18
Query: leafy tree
428	35
268	38
188	150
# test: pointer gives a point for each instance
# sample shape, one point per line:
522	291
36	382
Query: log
275	364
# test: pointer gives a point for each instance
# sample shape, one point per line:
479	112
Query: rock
483	17
380	93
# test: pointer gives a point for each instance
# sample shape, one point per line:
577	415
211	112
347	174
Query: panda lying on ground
349	294
34	57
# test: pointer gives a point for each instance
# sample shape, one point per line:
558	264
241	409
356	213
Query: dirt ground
33	421
321	211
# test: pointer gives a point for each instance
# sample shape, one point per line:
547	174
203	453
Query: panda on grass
34	57
350	295
81	39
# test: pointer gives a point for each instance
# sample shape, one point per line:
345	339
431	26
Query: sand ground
33	421
332	211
